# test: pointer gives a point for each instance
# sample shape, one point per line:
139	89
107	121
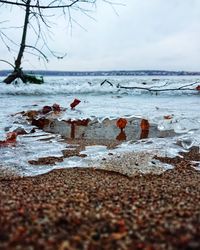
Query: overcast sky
146	34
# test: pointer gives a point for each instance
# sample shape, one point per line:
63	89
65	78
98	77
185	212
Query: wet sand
95	209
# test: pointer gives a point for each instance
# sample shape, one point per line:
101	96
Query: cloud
147	34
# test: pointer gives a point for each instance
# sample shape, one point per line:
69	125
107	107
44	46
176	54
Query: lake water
100	102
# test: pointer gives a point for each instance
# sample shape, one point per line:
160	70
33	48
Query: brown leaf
121	123
198	88
74	103
144	124
167	117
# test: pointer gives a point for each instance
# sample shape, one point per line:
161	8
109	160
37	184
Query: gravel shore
96	209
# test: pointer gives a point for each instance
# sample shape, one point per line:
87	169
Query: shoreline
97	209
125	163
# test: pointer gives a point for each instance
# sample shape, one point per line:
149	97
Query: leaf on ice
74	103
167	117
144	124
121	123
198	88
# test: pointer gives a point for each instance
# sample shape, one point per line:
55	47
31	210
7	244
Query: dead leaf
167	117
121	123
144	124
46	109
198	88
74	103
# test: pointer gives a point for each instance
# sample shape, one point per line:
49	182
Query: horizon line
114	70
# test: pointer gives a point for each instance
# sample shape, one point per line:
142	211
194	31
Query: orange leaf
121	123
144	124
74	103
144	134
198	88
121	136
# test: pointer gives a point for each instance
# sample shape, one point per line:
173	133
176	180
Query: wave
98	86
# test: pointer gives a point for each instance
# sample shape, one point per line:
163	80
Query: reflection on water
144	134
121	136
108	129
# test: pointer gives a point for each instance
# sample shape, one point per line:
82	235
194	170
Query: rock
50	160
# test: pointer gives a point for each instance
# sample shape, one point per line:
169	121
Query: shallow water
100	102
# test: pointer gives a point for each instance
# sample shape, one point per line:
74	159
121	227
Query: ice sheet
100	102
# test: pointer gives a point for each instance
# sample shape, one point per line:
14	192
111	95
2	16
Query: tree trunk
18	73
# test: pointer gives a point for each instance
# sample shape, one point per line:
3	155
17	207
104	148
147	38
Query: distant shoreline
107	73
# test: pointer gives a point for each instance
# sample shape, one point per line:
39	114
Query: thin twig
43	6
8	63
151	89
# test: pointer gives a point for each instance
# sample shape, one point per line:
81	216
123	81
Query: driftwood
13	76
102	83
24	77
153	89
106	81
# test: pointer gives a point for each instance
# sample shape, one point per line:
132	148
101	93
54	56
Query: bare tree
37	19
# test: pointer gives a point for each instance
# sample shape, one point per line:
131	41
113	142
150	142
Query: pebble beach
97	209
99	151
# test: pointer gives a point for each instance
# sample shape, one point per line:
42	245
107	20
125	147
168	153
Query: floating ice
99	102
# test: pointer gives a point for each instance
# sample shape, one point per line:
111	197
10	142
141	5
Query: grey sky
146	34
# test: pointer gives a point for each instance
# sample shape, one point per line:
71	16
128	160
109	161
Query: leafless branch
158	89
40	52
47	6
36	21
151	89
8	63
